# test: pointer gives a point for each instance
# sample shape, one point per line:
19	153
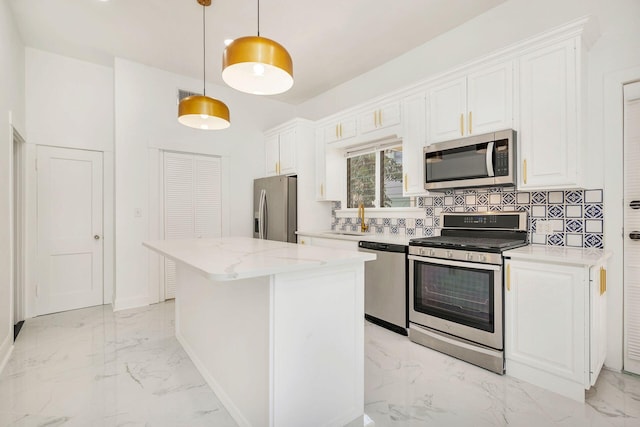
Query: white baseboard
126	303
5	349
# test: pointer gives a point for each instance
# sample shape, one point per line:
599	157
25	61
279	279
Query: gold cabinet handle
508	276
470	122
462	124
340	130
337	131
375	119
524	170
406	182
379	117
603	280
321	190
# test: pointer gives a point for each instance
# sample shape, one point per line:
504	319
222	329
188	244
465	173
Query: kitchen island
276	329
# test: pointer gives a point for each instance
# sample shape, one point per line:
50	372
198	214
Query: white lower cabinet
555	324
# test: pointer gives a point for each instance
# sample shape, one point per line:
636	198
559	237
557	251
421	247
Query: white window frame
388	212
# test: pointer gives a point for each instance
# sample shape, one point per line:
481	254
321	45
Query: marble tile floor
93	367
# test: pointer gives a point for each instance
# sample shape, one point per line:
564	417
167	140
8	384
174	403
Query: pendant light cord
204	50
258	18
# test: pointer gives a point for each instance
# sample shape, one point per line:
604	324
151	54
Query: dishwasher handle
383	247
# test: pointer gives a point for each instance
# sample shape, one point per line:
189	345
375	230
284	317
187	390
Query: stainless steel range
456	293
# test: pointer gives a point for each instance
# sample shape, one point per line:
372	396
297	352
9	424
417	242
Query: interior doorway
17	232
632	227
69	229
192	203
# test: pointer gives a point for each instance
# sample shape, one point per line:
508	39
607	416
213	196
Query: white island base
283	349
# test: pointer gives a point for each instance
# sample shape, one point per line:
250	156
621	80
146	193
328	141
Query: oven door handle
489	159
475	265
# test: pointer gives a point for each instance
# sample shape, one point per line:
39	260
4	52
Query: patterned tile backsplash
574	218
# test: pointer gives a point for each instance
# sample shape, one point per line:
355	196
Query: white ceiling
330	41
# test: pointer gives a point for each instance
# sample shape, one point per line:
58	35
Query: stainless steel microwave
487	160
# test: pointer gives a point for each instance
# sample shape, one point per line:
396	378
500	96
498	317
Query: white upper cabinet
330	170
550	94
479	102
382	117
281	150
414	138
340	130
272	154
490	99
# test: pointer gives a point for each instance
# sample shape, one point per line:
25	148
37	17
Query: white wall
11	105
145	122
69	103
617	48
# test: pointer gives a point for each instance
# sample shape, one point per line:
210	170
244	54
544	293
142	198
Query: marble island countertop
559	254
232	258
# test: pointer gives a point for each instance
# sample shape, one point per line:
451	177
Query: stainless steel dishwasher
385	285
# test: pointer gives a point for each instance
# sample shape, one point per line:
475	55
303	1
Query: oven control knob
421	251
432	252
469	257
482	258
449	254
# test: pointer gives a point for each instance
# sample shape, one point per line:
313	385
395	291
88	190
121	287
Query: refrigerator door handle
261	214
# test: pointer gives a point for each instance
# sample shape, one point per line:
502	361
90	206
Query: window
374	177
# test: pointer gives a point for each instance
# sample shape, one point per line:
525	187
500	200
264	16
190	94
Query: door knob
96	237
635	204
634	235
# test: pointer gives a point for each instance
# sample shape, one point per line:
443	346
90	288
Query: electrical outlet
543	227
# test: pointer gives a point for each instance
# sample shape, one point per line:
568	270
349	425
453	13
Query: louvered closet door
192	203
632	228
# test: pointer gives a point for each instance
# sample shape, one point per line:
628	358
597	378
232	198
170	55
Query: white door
70	262
192	203
631	227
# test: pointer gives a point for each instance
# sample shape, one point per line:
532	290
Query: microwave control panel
501	164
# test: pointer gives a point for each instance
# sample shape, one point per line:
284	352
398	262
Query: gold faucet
363	227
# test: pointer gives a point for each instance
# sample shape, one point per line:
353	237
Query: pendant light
201	111
257	65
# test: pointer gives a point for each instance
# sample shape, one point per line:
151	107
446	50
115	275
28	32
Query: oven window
458	294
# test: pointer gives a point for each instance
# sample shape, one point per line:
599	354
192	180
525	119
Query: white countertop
559	254
397	239
231	258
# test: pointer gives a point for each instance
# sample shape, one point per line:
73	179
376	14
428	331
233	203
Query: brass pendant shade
257	65
202	112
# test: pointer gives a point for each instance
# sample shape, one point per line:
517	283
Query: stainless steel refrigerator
275	208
